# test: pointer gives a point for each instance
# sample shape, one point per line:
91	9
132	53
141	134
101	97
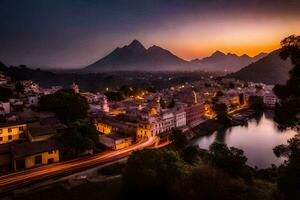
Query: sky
69	34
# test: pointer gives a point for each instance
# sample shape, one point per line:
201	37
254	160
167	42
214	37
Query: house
43	132
31	154
12	131
148	127
33	100
4	108
115	141
108	125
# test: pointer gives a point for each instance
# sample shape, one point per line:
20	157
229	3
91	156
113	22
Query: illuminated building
12	131
115	141
31	154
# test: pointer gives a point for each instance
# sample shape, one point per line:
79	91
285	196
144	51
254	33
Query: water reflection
257	138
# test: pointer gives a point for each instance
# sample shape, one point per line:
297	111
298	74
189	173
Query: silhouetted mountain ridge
270	69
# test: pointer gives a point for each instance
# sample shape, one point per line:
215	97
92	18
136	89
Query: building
180	118
31	154
109	125
194	114
115	141
33	100
168	121
12	131
4	108
39	132
148	127
269	99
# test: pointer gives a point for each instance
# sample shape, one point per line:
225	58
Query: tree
152	172
231	160
179	139
162	103
67	105
5	93
221	111
19	87
172	103
191	154
289	178
81	136
256	102
289	94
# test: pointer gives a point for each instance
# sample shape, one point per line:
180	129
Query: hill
230	62
136	57
270	69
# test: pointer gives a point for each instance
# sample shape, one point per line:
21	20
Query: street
18	179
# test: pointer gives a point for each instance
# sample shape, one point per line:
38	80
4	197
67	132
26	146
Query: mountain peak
136	43
218	53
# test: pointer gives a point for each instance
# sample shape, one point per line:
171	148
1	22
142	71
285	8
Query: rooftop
31	148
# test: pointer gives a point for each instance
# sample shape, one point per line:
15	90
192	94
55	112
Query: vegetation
5	94
179	139
67	105
81	136
221	111
287	115
288	110
256	102
114	169
218	173
153	170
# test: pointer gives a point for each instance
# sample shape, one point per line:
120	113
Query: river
257	139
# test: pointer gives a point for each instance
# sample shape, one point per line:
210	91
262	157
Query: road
22	178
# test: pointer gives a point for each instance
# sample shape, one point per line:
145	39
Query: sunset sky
75	33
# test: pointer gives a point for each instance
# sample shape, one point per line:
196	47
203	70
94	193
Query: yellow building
111	125
32	154
12	131
105	128
115	141
143	130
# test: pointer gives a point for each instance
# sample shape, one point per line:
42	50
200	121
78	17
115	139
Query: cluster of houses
26	136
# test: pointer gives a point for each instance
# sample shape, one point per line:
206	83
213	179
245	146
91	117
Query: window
0	131
51	152
1	139
9	130
10	137
38	160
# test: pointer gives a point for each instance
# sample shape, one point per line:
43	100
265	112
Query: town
28	136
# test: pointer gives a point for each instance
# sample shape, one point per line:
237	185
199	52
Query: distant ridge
136	57
230	62
270	69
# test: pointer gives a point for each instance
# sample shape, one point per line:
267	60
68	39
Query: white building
180	118
33	100
4	108
269	99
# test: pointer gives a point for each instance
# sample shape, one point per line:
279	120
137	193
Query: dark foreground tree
81	136
287	112
179	139
67	105
151	173
289	178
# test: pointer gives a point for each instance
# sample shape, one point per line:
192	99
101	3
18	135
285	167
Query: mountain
136	57
220	61
270	69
